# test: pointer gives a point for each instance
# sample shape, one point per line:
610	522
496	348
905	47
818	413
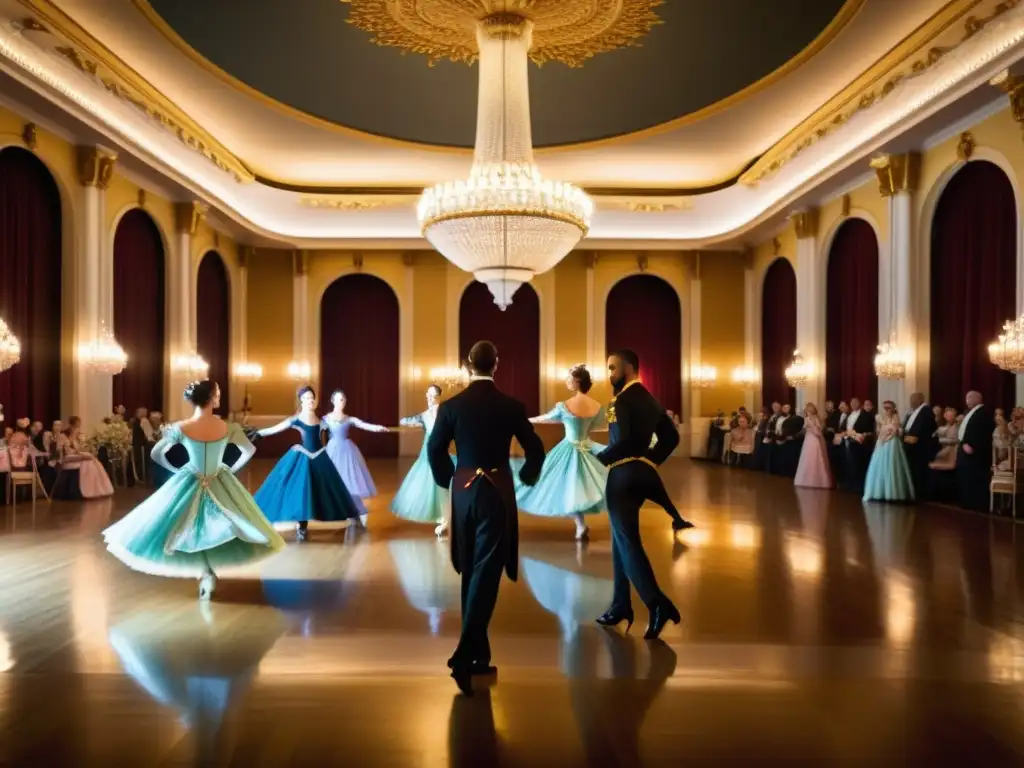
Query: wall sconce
704	376
191	364
299	370
744	377
452	379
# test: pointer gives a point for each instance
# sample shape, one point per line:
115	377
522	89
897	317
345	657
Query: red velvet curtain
139	311
974	284
642	313
30	285
852	313
516	334
778	332
213	323
359	354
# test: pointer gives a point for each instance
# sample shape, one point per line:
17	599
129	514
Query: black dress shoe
613	617
681	525
464	679
661	616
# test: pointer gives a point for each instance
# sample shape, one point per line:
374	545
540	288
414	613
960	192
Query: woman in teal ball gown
888	477
419	498
203	517
304	484
573	480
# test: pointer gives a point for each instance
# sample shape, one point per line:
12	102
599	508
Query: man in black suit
485	522
766	438
634	418
974	454
920	443
858	442
789	442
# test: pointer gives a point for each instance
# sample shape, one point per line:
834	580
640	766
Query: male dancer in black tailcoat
485	520
634	417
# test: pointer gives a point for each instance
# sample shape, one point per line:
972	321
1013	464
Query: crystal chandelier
1008	351
452	379
890	362
505	223
799	372
191	364
704	376
103	355
10	347
744	377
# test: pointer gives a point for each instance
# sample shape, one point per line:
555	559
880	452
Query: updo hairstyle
581	376
200	393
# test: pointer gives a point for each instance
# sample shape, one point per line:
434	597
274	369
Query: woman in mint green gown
888	477
202	518
419	498
572	482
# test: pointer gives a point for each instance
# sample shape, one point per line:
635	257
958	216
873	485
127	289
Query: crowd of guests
67	465
933	453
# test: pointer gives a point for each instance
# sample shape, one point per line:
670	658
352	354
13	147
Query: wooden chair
21	476
1006	482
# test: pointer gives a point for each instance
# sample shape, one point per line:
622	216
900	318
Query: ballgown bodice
577	428
310	434
205	457
338	430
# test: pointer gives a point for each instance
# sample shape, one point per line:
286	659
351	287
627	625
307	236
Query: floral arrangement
115	435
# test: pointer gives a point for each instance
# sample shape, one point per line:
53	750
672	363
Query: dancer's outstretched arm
277	428
171	436
549	417
366	426
412	422
248	450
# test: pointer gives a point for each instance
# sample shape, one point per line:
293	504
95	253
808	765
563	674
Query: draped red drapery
30	285
359	354
852	313
516	334
139	311
213	323
778	332
643	313
973	284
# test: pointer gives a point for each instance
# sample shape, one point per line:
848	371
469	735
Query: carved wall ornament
897	173
590	259
95	166
357	261
30	24
642	263
30	135
845	205
409	258
131	89
300	263
569	31
142	198
188	215
805	223
348	203
940	36
776	246
1013	87
645	206
965	146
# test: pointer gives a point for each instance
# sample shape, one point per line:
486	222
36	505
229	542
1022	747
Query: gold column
897	173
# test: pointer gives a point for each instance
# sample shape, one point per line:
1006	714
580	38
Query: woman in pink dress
813	470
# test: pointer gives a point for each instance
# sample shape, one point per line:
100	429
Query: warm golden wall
269	329
722	332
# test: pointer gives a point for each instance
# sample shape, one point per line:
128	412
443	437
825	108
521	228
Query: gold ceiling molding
914	55
568	31
93	59
845	15
353	202
647	206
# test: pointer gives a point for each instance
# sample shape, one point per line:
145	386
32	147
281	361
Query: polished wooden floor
817	631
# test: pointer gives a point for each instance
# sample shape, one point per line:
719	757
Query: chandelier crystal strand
505	223
1008	351
10	347
103	355
799	372
890	362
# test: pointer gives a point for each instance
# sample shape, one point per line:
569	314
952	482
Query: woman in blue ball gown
573	480
345	454
304	485
203	517
888	477
419	498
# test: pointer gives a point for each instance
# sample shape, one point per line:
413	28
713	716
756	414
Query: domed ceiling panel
304	56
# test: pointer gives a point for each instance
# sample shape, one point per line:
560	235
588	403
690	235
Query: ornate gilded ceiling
306	56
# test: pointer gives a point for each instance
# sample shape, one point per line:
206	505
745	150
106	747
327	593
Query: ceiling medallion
569	31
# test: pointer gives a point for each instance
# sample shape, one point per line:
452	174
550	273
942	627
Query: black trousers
660	497
918	460
483	546
629	485
973	475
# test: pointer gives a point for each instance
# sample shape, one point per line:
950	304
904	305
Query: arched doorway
851	332
516	334
359	354
139	311
973	284
30	285
643	313
778	332
213	322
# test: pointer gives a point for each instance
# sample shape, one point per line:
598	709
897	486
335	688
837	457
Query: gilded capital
188	215
30	135
409	258
95	166
897	173
806	223
1013	87
245	255
642	262
590	259
749	257
300	263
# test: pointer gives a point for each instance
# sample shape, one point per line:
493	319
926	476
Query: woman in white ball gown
345	454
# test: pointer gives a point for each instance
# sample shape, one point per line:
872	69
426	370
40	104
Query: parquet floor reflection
817	631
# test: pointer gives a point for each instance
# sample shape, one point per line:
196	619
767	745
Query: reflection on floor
816	629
